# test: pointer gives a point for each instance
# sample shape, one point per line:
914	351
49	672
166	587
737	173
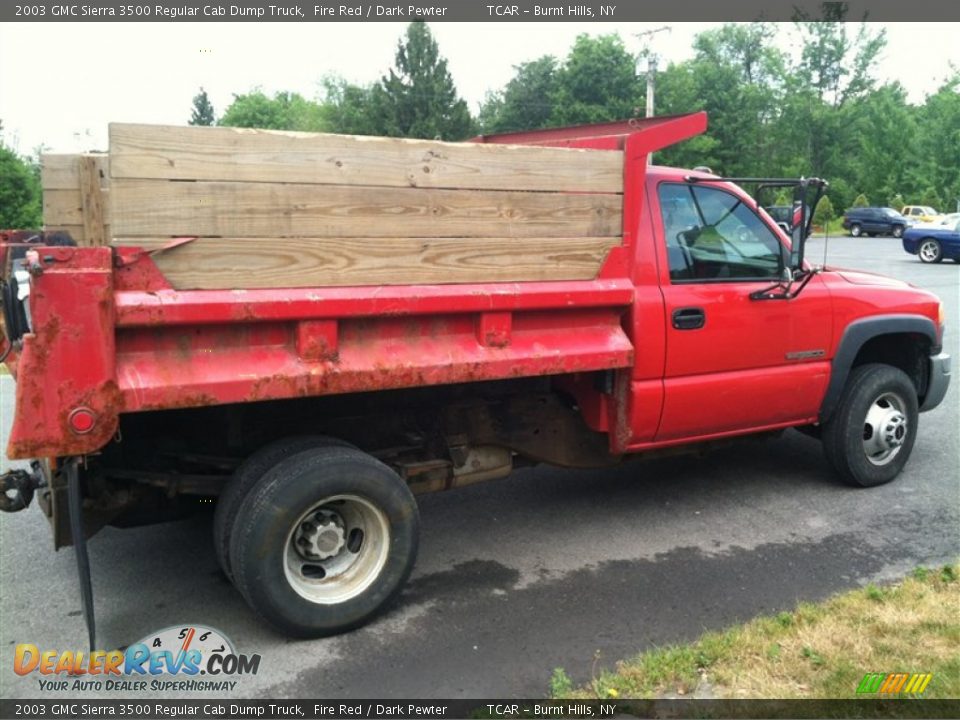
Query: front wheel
898	231
930	251
871	434
856	230
324	540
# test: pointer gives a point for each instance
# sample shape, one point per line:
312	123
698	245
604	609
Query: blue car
933	243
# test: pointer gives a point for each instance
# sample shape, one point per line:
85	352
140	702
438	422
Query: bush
824	212
19	192
897	202
861	201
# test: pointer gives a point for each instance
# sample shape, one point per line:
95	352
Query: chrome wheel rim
336	549
928	251
885	428
855	231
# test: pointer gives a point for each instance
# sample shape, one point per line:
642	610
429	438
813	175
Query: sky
61	84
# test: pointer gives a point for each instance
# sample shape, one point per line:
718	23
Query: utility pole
653	59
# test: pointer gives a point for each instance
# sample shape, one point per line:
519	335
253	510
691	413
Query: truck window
711	235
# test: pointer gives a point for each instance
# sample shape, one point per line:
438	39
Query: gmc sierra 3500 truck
148	382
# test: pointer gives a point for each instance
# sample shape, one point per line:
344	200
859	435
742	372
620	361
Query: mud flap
77	532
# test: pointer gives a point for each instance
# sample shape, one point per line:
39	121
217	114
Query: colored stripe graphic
894	683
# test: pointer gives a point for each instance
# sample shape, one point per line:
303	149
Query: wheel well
907	351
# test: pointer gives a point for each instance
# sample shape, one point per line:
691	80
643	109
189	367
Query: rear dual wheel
323	540
249	472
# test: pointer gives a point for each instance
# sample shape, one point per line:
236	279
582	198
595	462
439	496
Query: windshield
890	213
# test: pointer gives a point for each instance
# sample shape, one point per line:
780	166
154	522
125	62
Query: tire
871	434
930	251
249	472
898	231
856	230
369	531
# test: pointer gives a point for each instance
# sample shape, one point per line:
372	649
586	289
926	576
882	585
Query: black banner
41	709
463	10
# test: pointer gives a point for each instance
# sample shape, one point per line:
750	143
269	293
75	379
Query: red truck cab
312	415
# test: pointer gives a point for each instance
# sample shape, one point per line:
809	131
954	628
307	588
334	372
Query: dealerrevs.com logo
177	658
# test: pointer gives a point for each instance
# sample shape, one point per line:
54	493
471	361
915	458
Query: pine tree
823	213
417	98
202	113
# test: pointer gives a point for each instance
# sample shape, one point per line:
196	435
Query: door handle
691	318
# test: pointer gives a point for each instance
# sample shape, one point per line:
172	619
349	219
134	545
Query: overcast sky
60	84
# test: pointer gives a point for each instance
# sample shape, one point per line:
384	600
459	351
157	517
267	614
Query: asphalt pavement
541	570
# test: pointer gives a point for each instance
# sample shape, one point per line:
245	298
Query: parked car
786	216
943	220
874	221
781	213
920	213
932	243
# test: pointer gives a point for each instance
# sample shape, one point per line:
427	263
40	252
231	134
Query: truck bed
247	265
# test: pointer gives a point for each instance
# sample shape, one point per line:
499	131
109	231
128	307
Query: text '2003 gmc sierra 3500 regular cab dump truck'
311	329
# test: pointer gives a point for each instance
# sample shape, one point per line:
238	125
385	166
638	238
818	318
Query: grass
817	651
834	227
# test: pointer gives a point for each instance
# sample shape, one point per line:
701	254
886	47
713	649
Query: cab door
733	364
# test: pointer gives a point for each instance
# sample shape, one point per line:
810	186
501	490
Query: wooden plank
62	171
215	154
232	263
248	209
91	201
65	207
63	199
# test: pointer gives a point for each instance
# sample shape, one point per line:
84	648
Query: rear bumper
938	383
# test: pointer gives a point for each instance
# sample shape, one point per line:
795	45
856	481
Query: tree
19	192
284	111
861	201
885	141
839	68
834	72
527	101
202	112
596	83
938	144
824	213
417	98
737	75
348	108
931	198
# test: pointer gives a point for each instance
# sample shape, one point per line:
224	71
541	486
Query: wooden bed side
280	209
76	195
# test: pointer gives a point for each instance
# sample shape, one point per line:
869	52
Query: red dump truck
181	363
